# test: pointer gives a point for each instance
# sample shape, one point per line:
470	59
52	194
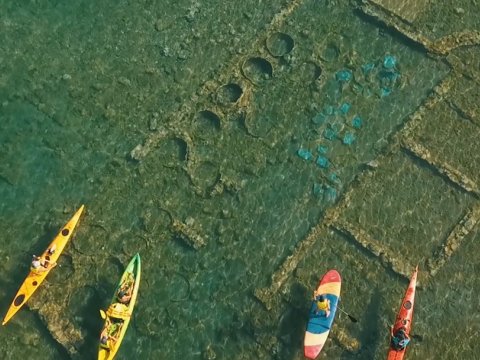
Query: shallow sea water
83	84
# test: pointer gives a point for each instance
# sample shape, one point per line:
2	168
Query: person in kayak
124	296
52	249
109	332
323	305
400	339
36	264
40	264
125	292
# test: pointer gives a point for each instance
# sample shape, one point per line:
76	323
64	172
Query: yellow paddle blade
102	314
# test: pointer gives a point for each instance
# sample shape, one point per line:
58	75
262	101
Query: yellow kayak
118	315
41	266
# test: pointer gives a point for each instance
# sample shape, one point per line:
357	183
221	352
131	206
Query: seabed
243	153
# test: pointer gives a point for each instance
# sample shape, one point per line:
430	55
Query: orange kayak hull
404	317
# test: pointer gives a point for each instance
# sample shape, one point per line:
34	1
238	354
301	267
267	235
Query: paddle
102	314
417	337
349	316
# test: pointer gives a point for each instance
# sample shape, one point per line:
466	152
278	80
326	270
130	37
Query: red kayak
400	334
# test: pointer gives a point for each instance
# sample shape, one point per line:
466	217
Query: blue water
83	84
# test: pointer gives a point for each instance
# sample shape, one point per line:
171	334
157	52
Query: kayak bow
49	259
119	313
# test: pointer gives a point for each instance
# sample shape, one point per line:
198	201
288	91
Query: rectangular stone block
452	140
465	97
406	207
408	10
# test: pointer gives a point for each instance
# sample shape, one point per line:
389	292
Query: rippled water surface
241	148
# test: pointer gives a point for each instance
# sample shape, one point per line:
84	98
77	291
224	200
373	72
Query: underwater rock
153	123
384	91
347	341
329	134
357	122
305	154
137	153
140	151
319	119
323	162
348	138
61	328
209	354
333	177
329	110
367	68
330	193
322	149
318	189
389	62
344	75
188	234
345	107
226	184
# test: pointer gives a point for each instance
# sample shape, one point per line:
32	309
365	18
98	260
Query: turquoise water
83	84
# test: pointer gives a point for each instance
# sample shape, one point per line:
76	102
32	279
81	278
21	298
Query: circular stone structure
308	72
206	123
229	94
280	44
172	150
330	53
205	175
257	70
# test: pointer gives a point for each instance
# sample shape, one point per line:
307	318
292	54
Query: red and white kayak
404	317
319	326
